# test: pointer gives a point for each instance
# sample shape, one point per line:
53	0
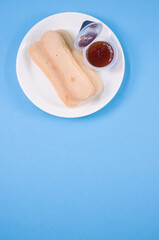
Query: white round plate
37	87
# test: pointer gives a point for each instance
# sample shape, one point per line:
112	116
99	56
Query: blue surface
94	178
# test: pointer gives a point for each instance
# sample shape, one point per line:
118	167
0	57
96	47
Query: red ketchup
100	54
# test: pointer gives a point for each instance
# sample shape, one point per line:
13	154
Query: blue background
93	178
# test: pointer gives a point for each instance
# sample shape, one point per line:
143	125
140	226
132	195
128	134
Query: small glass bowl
112	64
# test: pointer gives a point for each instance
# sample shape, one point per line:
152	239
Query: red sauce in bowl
100	54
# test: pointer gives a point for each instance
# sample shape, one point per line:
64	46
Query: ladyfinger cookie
77	54
74	78
41	58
